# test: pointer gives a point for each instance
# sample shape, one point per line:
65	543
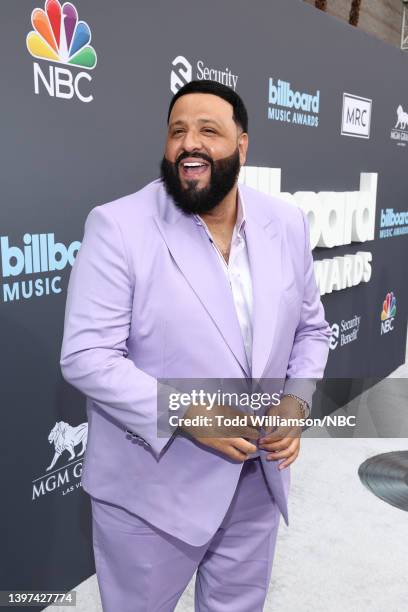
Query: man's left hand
284	441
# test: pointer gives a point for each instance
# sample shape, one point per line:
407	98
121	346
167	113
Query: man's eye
209	131
177	132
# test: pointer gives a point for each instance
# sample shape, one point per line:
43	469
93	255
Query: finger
280	434
224	446
287	452
271	445
243	445
279	455
279	444
288	461
235	453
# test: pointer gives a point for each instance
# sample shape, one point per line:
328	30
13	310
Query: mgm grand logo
65	478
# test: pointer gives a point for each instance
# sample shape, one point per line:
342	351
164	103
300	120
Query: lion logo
402	118
66	437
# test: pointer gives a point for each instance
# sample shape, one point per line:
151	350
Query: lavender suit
148	299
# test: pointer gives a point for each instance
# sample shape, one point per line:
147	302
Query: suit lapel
197	260
263	239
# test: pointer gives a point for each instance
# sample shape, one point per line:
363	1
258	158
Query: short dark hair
240	114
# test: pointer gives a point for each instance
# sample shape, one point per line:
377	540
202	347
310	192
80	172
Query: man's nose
192	141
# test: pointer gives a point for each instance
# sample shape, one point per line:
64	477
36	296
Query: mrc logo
60	37
356	116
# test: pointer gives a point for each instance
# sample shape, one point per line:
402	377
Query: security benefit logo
389	310
59	37
183	72
32	268
287	105
69	442
356	116
345	332
400	131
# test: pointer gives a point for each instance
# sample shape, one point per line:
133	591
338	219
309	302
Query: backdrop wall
86	124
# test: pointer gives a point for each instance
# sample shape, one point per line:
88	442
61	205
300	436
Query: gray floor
345	550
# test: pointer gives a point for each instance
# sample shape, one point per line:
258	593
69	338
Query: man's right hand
228	440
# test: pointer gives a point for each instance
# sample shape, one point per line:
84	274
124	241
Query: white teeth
193	164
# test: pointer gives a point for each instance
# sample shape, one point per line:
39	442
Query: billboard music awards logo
389	310
393	223
336	218
289	106
40	254
63	437
182	73
400	132
356	116
345	332
60	38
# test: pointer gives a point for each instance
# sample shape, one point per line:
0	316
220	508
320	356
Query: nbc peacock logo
59	37
389	310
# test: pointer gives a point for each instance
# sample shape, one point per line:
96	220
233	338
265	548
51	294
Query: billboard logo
393	223
59	37
182	73
335	218
66	478
40	253
400	133
289	106
388	313
356	117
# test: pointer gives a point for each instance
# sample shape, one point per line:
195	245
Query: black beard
224	173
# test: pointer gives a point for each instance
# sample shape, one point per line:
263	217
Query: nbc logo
59	37
388	313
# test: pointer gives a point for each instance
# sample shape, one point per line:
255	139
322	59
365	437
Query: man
191	277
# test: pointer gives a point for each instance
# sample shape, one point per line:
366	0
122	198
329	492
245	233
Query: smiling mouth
193	169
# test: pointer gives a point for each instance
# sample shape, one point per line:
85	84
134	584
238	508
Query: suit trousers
143	569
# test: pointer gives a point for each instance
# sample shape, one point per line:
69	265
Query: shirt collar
241	215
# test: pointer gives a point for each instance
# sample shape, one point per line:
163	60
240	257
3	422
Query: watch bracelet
303	405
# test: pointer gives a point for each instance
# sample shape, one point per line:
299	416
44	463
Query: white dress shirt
238	273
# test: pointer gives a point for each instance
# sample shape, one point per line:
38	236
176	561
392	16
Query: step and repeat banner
84	98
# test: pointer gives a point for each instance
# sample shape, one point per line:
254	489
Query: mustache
185	155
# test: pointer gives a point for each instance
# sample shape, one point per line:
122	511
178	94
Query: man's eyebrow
203	120
178	122
210	121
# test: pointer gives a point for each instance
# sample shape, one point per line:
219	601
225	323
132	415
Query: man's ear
242	147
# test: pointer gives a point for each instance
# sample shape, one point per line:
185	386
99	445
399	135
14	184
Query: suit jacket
148	299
